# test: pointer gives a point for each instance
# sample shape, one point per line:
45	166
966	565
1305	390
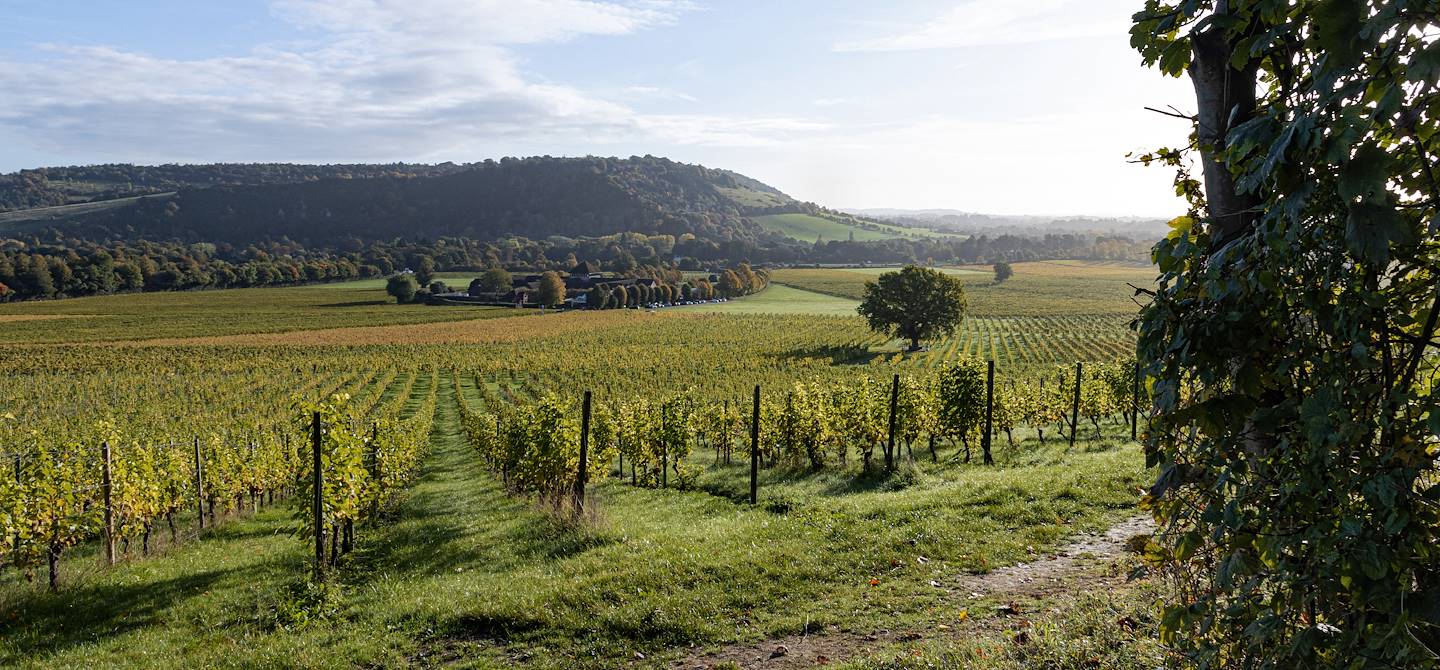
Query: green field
779	299
143	316
808	228
1042	288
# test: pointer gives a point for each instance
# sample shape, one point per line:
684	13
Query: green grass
1115	630
807	228
466	575
750	198
139	316
777	299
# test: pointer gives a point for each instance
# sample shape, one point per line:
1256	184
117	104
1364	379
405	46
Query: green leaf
1364	176
1369	230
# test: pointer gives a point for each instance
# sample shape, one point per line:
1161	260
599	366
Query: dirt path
1072	569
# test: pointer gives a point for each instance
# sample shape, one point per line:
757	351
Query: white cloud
380	78
998	22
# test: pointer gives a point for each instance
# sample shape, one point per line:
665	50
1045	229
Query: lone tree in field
1290	344
403	287
915	304
1003	271
552	290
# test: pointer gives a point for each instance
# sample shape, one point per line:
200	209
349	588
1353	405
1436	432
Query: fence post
199	485
584	454
755	449
108	485
989	412
664	447
1075	404
894	407
317	480
1135	404
729	436
18	482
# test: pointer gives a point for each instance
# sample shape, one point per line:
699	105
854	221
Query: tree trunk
53	558
1225	97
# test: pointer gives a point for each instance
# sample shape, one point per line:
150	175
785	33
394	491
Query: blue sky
982	105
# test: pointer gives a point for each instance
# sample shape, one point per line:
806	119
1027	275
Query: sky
993	106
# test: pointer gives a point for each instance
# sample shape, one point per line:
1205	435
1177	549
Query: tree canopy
494	280
402	287
1290	341
552	290
1003	271
914	303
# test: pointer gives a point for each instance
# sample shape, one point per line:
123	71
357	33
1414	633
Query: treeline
67	267
975	249
672	287
74	268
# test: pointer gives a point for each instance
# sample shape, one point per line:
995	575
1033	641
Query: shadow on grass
842	354
732	482
45	623
356	303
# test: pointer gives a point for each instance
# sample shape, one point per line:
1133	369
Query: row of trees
73	268
550	290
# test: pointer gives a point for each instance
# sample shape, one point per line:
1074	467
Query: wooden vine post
584	455
894	409
1075	403
199	486
664	447
108	485
18	482
755	449
985	439
317	480
377	473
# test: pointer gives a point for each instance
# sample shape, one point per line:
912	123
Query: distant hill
323	205
55	186
971	223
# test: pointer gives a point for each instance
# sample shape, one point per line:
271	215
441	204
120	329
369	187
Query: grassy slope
466	574
34	219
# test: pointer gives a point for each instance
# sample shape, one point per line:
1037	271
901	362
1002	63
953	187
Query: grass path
1078	567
